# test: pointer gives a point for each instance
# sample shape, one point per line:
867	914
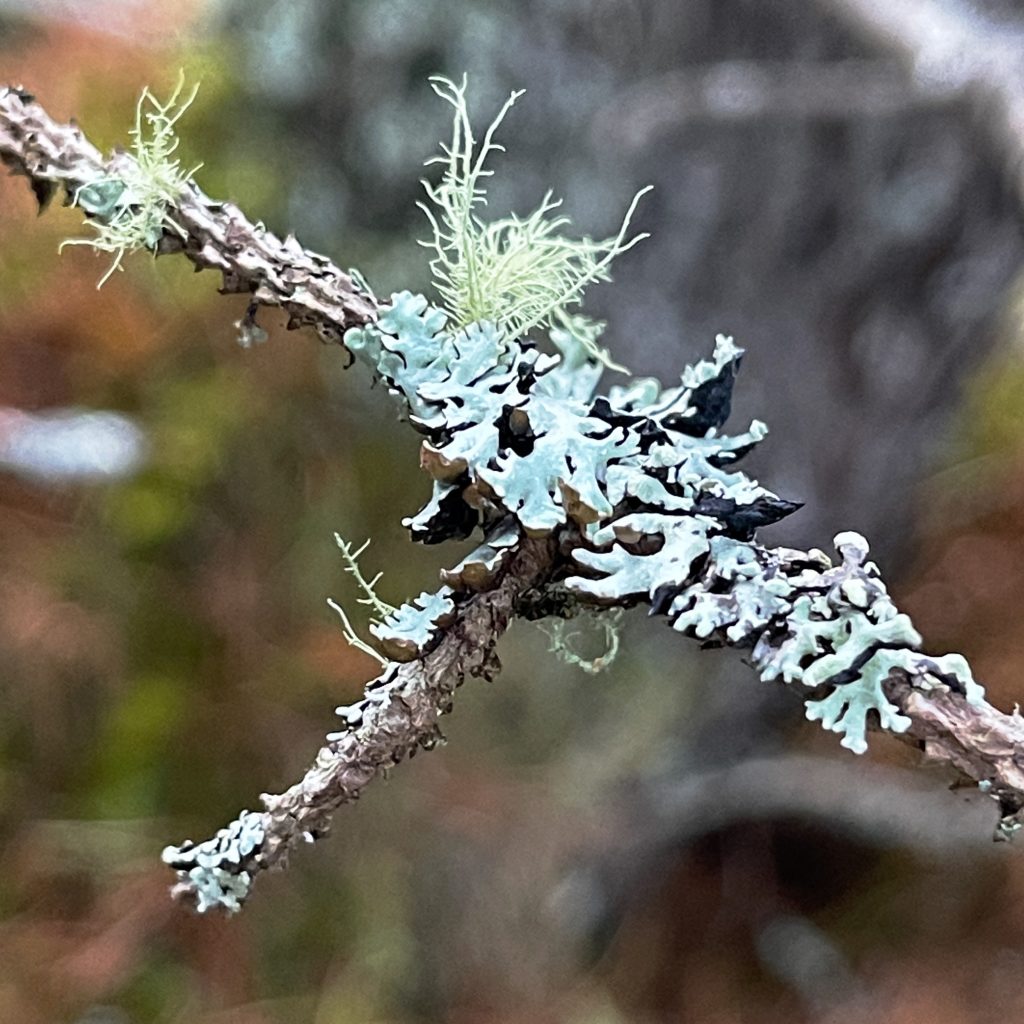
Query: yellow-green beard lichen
519	273
381	609
129	212
566	640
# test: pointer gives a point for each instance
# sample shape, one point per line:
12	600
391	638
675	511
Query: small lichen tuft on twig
131	211
381	609
567	638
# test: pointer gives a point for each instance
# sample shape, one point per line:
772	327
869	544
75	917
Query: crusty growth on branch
214	236
399	715
583	501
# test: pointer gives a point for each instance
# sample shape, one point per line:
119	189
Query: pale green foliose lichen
825	628
639	485
513	430
481	566
214	871
644	474
410	629
624	574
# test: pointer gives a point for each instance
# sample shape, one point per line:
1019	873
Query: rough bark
401	710
217	236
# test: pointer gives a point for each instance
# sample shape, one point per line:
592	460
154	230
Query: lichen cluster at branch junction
643	473
512	430
643	482
582	500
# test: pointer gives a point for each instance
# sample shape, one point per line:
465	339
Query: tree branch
931	703
517	444
216	236
398	715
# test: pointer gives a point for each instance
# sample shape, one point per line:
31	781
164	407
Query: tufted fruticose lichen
130	210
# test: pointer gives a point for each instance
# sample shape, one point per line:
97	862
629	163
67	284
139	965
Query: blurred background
838	184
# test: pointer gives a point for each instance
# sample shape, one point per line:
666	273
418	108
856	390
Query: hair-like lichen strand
379	608
519	273
565	640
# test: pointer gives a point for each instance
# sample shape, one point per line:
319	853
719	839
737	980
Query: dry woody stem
527	565
214	236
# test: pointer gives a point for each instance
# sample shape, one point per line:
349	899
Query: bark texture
402	707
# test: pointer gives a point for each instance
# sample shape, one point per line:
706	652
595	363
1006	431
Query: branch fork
584	500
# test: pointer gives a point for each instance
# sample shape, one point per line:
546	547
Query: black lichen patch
711	403
453	520
742	521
